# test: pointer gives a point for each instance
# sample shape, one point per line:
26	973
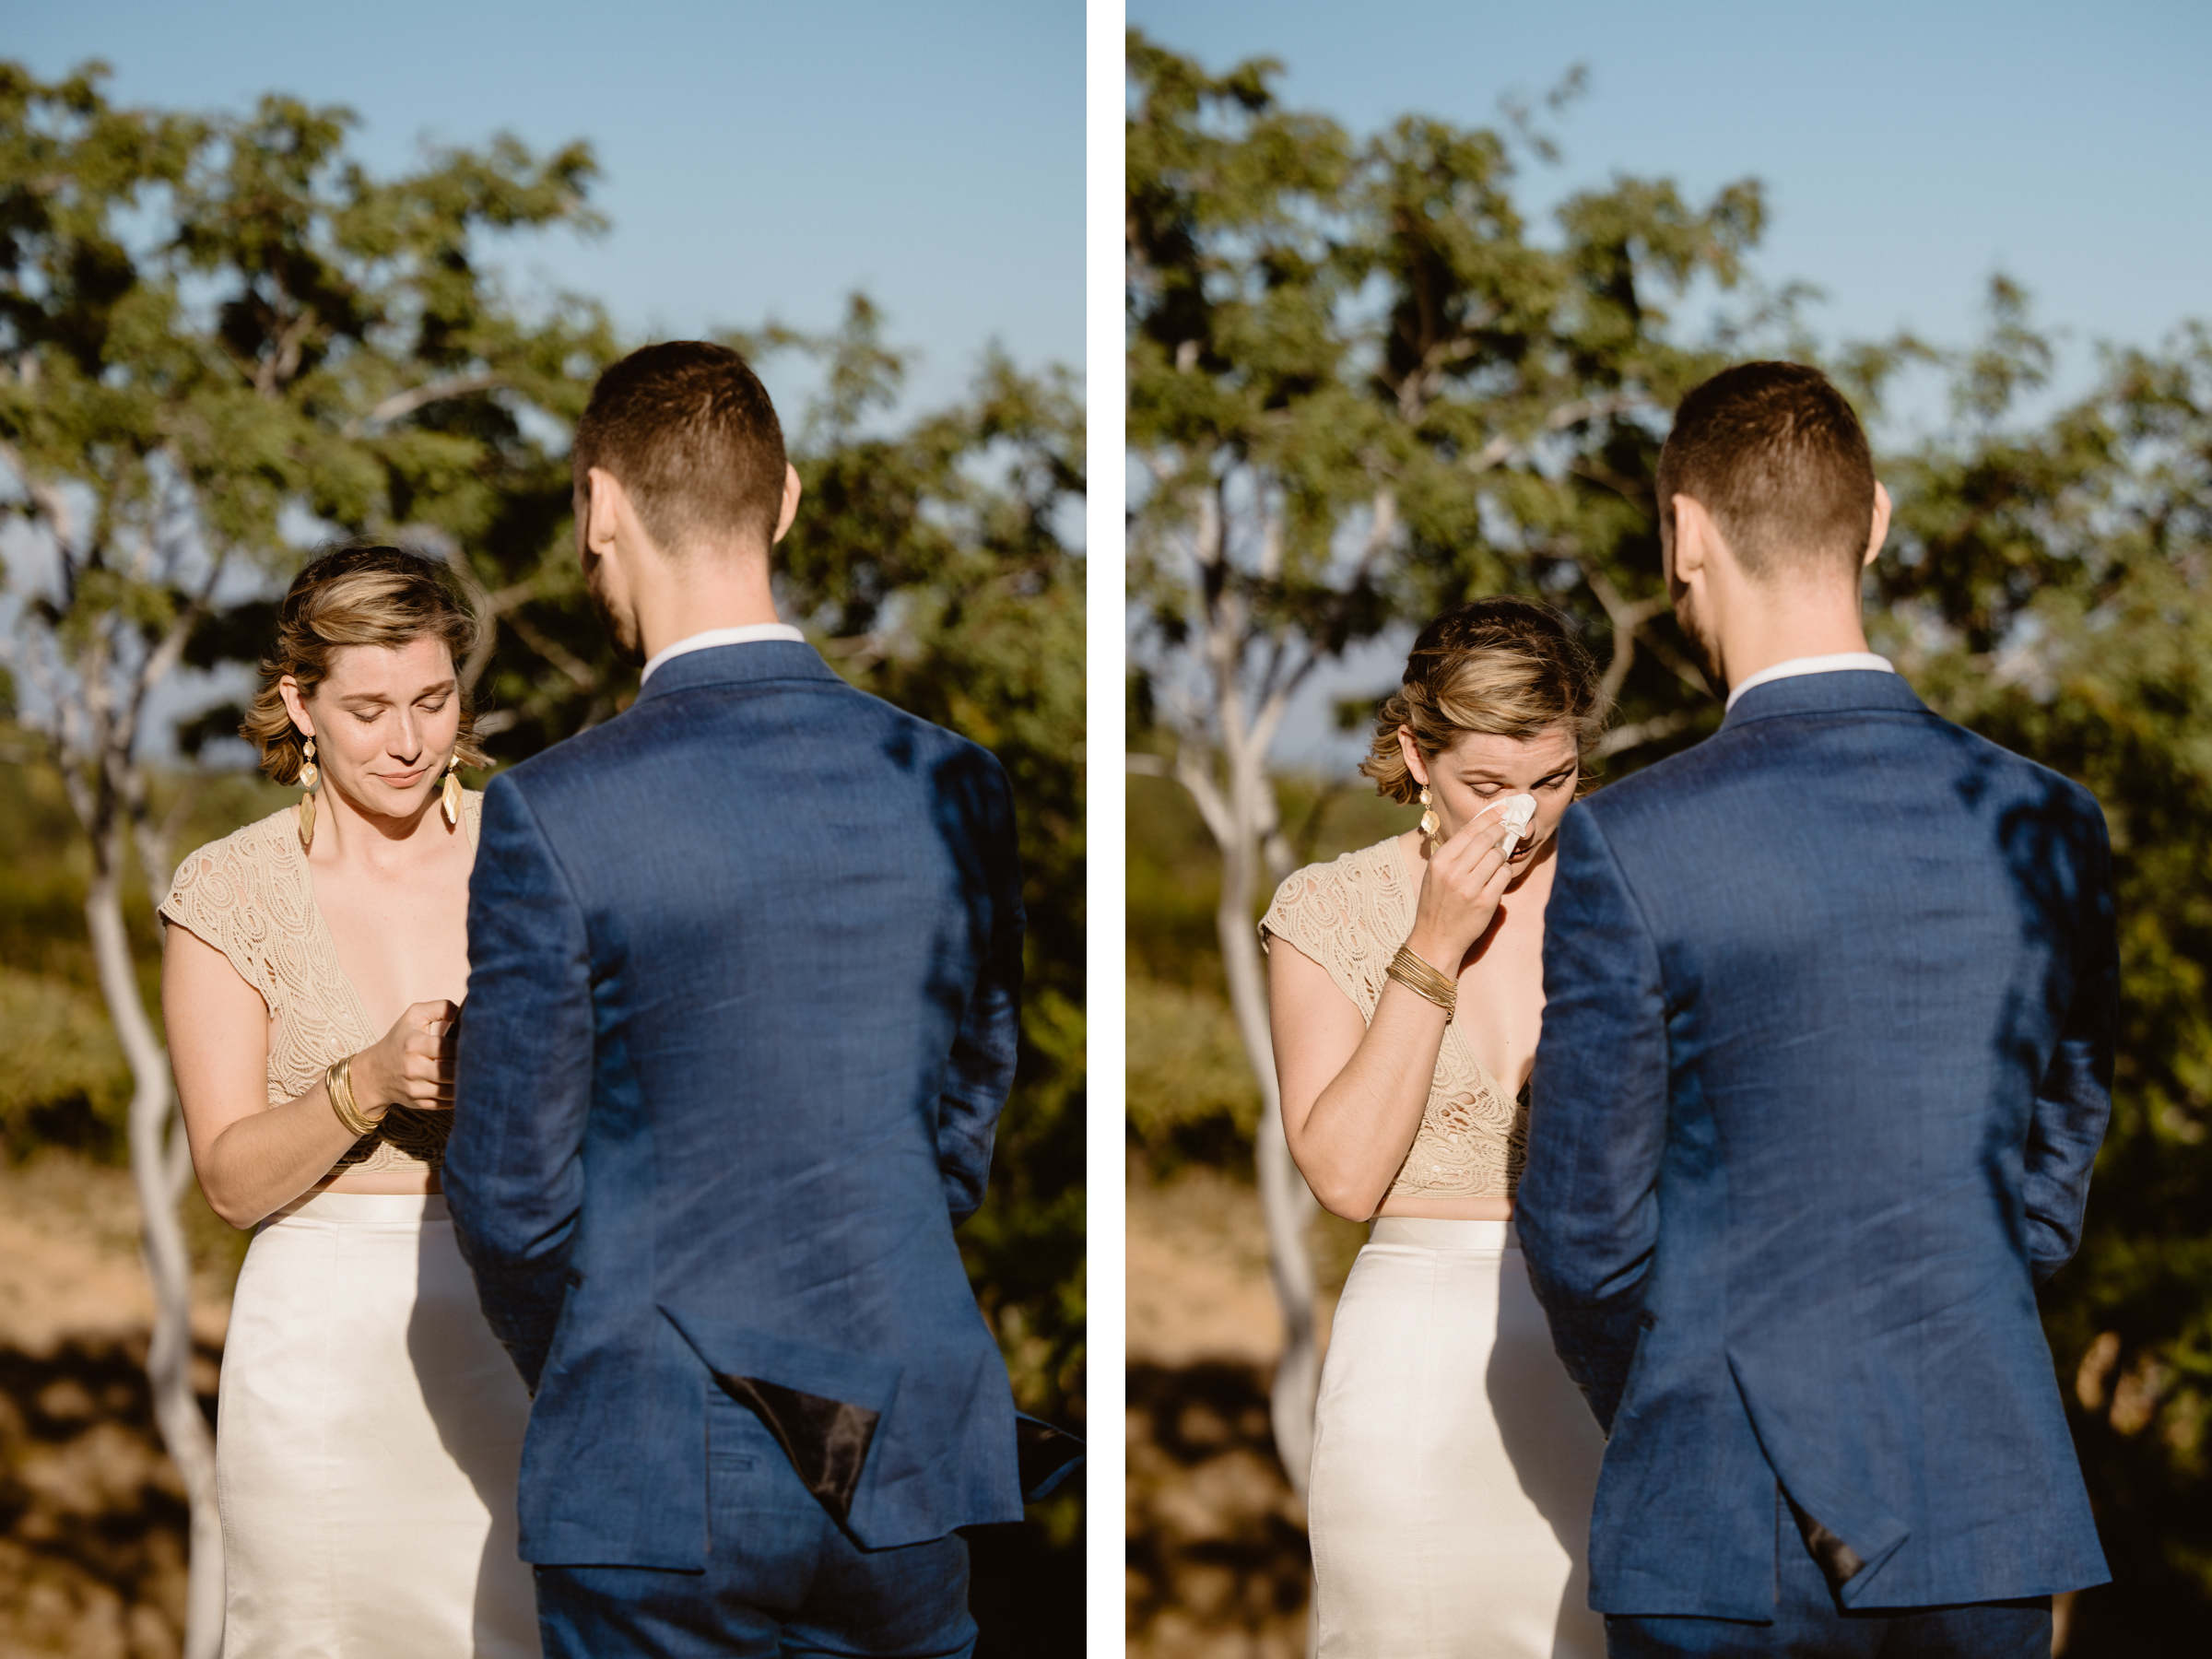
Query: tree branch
1627	622
46	498
271	373
1621	739
400	404
1504	447
556	654
1206	794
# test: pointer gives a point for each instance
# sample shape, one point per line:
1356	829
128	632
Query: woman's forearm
265	1161
1354	1138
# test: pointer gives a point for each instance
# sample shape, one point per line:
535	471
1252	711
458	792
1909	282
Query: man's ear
1881	524
1695	536
791	503
605	504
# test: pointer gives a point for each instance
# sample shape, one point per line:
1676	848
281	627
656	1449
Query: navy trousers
1810	1625
782	1581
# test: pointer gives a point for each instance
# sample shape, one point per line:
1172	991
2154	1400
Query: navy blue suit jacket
1826	1060
744	976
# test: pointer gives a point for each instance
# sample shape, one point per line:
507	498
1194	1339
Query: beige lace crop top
252	897
1350	916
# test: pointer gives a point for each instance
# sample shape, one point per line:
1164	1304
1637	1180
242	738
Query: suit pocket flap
822	1404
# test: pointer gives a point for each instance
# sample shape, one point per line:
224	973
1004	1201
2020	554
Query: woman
1453	1460
368	1425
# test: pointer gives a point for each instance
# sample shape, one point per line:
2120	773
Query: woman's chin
387	799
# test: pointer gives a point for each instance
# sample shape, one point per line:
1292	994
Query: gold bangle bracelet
1424	980
337	1083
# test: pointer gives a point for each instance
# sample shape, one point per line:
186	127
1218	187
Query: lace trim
1350	916
251	896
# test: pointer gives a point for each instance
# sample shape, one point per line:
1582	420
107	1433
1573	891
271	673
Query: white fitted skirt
368	1430
1454	1460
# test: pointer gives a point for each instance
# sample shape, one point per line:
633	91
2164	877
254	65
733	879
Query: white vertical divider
1105	377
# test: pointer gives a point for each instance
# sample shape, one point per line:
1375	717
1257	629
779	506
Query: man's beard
621	626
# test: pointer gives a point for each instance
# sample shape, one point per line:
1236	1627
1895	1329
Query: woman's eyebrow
1471	773
378	697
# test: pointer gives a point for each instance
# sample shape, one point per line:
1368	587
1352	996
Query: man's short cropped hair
688	430
1773	451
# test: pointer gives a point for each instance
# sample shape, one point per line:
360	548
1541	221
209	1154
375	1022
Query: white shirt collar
1865	661
747	635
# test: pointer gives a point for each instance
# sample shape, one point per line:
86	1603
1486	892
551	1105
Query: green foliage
1191	1094
64	1081
1360	391
1192	1098
214	321
63	1078
2052	587
1362	386
224	335
932	565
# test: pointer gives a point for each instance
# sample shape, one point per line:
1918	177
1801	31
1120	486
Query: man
744	972
1826	1059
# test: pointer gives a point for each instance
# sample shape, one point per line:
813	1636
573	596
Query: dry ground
1217	1544
91	1514
1216	1550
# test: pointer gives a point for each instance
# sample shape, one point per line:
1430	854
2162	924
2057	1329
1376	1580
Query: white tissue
1516	813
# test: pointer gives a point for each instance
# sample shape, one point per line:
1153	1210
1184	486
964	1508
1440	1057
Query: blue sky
758	159
1908	151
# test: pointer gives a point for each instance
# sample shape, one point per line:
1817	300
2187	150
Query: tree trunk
1286	1203
157	1167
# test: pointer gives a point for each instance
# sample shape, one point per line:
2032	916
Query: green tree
933	560
223	339
1315	465
212	327
2048	584
1360	388
935	564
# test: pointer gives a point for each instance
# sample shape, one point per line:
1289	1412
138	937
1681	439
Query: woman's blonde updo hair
355	596
1506	668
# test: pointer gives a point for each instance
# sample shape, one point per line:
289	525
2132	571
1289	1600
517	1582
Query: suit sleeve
2076	1098
513	1173
980	1071
1587	1209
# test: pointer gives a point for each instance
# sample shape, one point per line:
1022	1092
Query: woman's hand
412	1065
1465	880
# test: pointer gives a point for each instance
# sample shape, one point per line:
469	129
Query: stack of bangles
338	1082
1415	973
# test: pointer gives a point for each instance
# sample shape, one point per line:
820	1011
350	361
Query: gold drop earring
1430	823
448	792
310	775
